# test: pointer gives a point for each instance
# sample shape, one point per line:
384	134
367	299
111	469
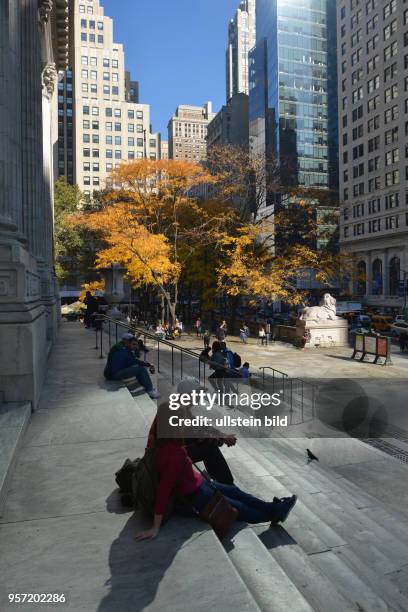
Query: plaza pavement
63	530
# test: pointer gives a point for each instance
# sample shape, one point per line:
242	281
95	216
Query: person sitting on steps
177	476
125	364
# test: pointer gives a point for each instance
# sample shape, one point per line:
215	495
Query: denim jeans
140	372
250	508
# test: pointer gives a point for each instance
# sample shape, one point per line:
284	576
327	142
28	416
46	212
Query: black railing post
199	370
96	338
158	354
116	333
109	327
172	365
181	363
101	324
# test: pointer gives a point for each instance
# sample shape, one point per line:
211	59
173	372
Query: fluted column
10	119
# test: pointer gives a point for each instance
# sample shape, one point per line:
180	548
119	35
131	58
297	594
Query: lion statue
325	312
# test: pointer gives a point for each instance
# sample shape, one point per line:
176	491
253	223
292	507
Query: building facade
109	123
188	132
241	38
373	106
293	90
34	39
230	125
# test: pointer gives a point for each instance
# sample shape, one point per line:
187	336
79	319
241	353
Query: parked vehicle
399	328
381	322
399	319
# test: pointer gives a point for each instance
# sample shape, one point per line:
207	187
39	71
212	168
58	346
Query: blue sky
175	49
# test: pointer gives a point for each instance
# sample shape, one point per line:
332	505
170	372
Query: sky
175	49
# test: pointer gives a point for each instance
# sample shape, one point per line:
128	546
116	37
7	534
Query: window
109	153
81	8
106	90
115	77
140	142
115	63
109	167
84	87
100	39
106	76
131	114
108	112
139	128
85	110
100	25
106	62
94	61
87	180
84	37
95	152
92	38
95	138
84	74
139	114
131	155
118	154
118	140
131	127
95	167
118	127
94	88
91	24
108	126
86	138
95	180
86	166
86	124
86	152
131	142
115	91
94	75
108	140
95	110
118	112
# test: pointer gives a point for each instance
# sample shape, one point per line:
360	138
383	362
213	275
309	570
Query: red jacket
176	474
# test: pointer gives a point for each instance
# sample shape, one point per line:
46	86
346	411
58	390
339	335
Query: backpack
229	355
138	481
237	360
108	367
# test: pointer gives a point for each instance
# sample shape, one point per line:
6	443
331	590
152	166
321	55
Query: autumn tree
153	225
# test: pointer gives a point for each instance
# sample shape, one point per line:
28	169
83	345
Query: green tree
75	247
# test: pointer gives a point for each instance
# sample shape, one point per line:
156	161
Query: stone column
369	263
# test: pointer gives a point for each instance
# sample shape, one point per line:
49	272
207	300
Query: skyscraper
188	132
293	90
241	38
109	125
373	62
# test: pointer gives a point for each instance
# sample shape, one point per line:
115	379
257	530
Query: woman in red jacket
177	475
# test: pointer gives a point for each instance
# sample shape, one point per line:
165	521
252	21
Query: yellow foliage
93	287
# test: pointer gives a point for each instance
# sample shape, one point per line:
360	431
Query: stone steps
328	547
14	418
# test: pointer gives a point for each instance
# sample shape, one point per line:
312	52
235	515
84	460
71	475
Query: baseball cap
128	336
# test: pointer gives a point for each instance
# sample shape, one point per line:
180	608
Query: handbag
218	512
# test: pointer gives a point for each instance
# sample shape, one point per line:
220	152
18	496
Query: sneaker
286	506
153	394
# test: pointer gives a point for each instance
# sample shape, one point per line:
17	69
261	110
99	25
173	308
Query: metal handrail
283	378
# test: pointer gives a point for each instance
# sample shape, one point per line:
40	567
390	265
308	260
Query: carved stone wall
28	298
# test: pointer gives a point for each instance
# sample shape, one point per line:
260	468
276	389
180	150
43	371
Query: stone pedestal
325	333
114	289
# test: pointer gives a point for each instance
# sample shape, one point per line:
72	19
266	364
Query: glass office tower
293	90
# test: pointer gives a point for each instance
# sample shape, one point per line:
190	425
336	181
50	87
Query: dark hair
216	346
245	365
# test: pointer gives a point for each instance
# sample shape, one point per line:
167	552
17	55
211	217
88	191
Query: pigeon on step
311	456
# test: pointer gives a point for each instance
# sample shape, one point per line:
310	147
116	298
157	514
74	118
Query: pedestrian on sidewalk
222	331
207	339
125	364
262	337
198	326
244	371
243	333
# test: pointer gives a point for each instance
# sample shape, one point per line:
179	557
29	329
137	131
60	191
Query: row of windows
117	140
92	38
91	24
93	75
93	89
110	112
374	225
93	61
391	201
